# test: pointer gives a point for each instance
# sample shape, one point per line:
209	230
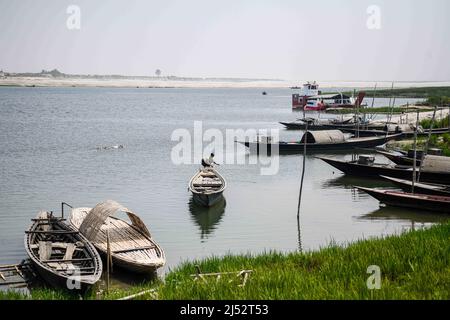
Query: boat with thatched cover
61	255
207	187
326	140
131	245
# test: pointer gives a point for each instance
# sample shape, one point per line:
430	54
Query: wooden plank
134	249
70	249
69	260
45	250
53	232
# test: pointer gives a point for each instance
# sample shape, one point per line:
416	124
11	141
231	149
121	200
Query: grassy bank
378	110
420	92
414	265
441	141
441	123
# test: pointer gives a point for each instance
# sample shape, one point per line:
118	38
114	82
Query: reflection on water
403	214
207	218
348	182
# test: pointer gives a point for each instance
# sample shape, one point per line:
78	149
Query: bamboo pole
303	170
305	141
425	150
415	153
108	254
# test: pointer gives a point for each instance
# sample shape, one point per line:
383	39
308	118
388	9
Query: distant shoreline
200	83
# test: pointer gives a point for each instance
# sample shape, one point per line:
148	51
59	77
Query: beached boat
61	255
410	200
435	169
420	187
131	245
329	140
207	187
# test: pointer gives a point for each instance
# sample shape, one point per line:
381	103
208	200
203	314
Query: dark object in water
264	93
62	256
410	200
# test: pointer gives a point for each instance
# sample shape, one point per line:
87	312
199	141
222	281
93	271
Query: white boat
207	187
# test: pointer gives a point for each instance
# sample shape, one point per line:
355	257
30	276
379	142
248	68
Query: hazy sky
327	40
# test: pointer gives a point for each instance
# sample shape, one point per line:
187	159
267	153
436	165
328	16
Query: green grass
414	265
441	141
419	92
378	110
441	123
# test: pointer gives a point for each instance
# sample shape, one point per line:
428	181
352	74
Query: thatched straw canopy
436	163
325	136
97	216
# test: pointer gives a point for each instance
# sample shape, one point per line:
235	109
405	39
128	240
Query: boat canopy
324	136
433	163
96	218
330	96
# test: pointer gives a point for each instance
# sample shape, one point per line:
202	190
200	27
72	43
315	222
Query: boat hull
406	185
356	169
207	200
302	126
413	201
59	279
370	142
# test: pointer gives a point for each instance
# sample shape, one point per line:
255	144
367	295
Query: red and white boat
310	98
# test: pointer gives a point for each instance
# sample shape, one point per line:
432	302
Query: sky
334	40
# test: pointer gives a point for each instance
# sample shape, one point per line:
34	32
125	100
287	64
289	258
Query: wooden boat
131	245
400	158
61	255
420	187
207	187
432	170
410	200
329	140
316	125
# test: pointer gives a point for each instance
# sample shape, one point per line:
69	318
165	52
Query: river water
49	140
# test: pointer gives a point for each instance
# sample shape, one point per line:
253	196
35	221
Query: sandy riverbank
197	83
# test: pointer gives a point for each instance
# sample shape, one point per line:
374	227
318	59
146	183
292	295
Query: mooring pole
305	140
108	259
425	150
415	153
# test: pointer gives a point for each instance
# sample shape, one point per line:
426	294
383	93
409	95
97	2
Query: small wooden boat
61	255
410	200
131	245
329	140
400	158
432	171
420	187
207	187
330	124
